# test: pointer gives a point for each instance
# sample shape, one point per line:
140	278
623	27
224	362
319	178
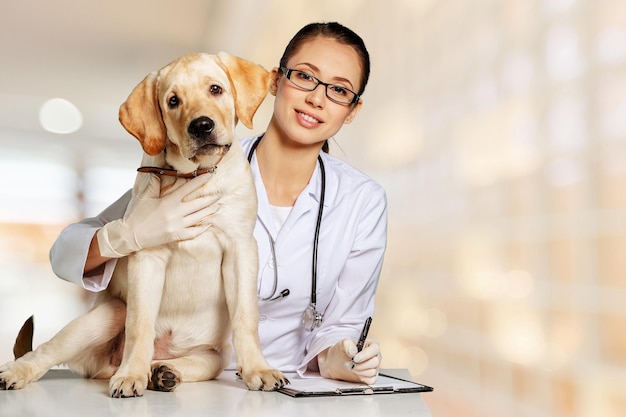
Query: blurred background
497	127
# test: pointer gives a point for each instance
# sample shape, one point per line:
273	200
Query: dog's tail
24	341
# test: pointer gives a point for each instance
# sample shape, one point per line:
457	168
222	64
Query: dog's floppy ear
140	115
250	83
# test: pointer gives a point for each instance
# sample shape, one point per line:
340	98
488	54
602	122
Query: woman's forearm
94	259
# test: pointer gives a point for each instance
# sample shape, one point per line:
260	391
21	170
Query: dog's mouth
212	149
209	149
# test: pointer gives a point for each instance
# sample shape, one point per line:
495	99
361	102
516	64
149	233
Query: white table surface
60	393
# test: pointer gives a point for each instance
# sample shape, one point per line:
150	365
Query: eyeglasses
305	81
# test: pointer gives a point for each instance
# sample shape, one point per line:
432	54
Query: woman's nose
317	97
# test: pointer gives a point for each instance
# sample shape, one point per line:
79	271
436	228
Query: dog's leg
240	281
146	278
70	345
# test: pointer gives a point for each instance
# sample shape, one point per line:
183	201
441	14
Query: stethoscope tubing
316	236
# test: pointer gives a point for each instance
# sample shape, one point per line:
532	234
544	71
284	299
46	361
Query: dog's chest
193	276
195	259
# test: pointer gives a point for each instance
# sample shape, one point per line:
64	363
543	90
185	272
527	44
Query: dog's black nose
201	127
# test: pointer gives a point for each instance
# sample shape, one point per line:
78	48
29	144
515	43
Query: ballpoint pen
361	342
366	329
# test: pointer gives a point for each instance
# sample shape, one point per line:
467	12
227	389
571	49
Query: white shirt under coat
350	254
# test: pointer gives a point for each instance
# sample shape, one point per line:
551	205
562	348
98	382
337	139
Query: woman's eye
215	90
339	90
173	102
304	76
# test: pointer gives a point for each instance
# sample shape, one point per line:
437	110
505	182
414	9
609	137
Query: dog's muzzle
205	138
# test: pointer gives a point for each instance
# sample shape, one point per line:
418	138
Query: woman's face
310	117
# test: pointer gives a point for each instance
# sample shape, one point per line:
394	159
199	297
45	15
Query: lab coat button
262	317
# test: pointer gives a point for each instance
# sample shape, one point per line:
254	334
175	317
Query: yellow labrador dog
168	312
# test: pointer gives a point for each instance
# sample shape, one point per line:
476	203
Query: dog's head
191	106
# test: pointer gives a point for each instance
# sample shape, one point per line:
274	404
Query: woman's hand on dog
155	221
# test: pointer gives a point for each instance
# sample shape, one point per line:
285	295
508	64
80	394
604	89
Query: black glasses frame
289	71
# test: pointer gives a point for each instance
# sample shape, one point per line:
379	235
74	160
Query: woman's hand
157	220
342	361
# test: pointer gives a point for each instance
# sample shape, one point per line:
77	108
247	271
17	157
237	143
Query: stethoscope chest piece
311	318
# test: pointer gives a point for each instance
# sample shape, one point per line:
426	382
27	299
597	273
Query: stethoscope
311	318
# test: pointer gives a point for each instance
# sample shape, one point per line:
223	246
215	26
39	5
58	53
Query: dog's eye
215	90
173	102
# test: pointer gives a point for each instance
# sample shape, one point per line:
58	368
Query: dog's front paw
124	386
268	379
14	375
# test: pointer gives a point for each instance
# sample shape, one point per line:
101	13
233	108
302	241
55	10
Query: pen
366	329
361	341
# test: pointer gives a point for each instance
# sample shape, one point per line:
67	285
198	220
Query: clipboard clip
365	390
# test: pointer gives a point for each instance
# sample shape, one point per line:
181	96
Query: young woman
321	226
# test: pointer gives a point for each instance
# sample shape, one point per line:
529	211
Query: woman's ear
355	110
274	81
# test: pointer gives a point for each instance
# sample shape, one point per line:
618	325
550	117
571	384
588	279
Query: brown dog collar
173	173
170	172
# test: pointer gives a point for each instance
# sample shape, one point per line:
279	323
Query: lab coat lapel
264	212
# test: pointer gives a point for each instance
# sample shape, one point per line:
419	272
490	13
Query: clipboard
322	387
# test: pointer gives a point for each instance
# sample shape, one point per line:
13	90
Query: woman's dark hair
339	33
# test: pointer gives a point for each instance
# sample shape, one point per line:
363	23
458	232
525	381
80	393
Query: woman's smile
307	120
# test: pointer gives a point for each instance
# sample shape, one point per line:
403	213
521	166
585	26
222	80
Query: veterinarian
321	225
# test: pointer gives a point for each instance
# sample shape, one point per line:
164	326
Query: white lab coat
350	254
